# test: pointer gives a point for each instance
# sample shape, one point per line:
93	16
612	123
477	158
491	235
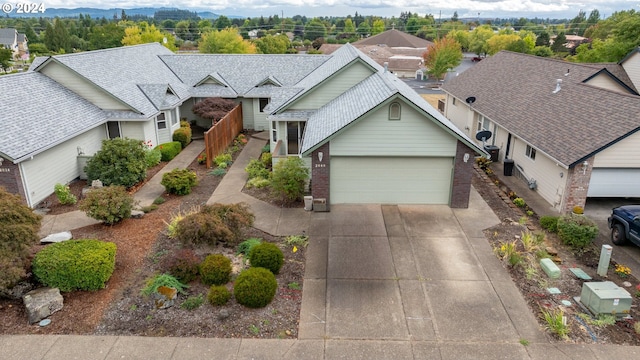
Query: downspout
27	193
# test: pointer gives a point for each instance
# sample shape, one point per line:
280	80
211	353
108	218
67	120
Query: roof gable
269	80
605	76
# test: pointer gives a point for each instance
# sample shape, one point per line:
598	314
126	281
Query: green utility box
550	268
606	298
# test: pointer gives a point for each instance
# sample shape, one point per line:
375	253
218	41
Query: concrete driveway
410	273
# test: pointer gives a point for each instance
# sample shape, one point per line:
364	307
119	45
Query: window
295	129
453	101
113	129
263	103
394	111
530	152
483	123
161	121
174	118
274	131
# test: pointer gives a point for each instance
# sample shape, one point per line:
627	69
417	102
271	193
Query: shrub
192	302
215	223
266	148
152	157
183	136
289	178
172	225
578	210
549	223
119	162
576	231
266	159
256	169
215	270
184	123
163	280
109	204
268	256
20	226
218	295
258	183
179	181
64	195
246	246
84	264
519	202
183	264
218	172
224	158
255	287
202	158
213	108
170	150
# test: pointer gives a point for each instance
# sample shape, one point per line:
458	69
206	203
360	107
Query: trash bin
508	167
493	150
308	203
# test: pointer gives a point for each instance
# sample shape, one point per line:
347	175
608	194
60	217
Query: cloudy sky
386	8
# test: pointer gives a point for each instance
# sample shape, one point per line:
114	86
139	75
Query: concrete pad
417	310
199	348
430	221
493	267
519	312
562	352
614	351
469	311
313	311
81	347
456	351
403	258
360	258
357	220
446	258
293	221
264	349
477	217
426	350
393	220
67	221
368	350
365	309
139	347
20	347
320	224
316	253
305	349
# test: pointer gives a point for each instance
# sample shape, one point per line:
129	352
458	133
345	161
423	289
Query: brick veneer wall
320	173
10	178
462	174
577	186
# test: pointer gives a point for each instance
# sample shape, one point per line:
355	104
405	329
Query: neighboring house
367	137
571	129
14	41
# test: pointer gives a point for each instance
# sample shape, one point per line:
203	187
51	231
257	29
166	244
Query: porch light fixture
465	158
320	155
80	151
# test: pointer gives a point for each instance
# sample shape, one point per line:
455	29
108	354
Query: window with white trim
530	152
274	131
295	130
263	103
161	121
174	118
394	111
483	123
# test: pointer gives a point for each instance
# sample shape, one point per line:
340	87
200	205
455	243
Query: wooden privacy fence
222	134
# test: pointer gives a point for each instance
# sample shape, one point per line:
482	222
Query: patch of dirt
533	284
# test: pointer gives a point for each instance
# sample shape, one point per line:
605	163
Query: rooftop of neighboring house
8	36
395	38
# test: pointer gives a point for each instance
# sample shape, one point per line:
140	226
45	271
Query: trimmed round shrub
183	264
179	181
289	178
119	162
215	223
152	157
218	295
549	223
183	136
215	270
109	204
576	231
255	287
169	150
267	255
84	264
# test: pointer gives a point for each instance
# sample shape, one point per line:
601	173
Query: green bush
20	226
266	159
266	149
255	287
119	162
192	302
215	270
163	280
84	264
519	202
170	150
576	231
108	204
179	181
152	157
549	223
224	158
183	136
256	169
64	195
289	178
268	256
218	172
218	295
258	183
183	264
215	223
246	246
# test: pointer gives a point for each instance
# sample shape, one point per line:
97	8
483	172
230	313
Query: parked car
476	58
624	223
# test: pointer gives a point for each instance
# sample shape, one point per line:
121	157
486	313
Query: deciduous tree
226	41
443	55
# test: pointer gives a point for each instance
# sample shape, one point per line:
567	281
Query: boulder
164	297
137	214
41	303
57	237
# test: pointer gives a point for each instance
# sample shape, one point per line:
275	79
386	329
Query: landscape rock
137	214
223	314
96	184
18	291
57	237
165	297
41	303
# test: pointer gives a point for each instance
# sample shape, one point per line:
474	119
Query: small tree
443	55
119	162
289	179
213	108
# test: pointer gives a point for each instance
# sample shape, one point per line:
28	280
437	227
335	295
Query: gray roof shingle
516	91
395	38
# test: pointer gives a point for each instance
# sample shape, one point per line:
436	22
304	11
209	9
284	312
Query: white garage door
614	183
390	180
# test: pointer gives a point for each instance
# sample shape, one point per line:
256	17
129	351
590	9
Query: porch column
462	174
577	186
320	173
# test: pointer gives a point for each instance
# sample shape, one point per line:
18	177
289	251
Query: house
367	137
11	39
570	129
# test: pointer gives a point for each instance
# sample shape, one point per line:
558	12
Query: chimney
558	88
386	66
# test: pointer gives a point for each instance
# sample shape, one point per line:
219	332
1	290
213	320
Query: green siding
412	135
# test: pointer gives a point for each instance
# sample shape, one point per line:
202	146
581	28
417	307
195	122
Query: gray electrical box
606	298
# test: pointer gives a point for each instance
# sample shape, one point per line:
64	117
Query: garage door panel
390	180
614	182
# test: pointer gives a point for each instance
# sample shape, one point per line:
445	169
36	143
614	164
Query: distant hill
107	13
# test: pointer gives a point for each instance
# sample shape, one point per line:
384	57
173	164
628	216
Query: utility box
494	151
308	203
320	205
606	298
508	167
550	268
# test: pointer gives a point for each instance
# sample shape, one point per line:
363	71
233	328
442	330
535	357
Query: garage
391	180
614	182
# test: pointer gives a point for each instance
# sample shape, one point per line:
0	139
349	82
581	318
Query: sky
385	8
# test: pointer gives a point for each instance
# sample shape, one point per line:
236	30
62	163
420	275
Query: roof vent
386	66
558	88
567	74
